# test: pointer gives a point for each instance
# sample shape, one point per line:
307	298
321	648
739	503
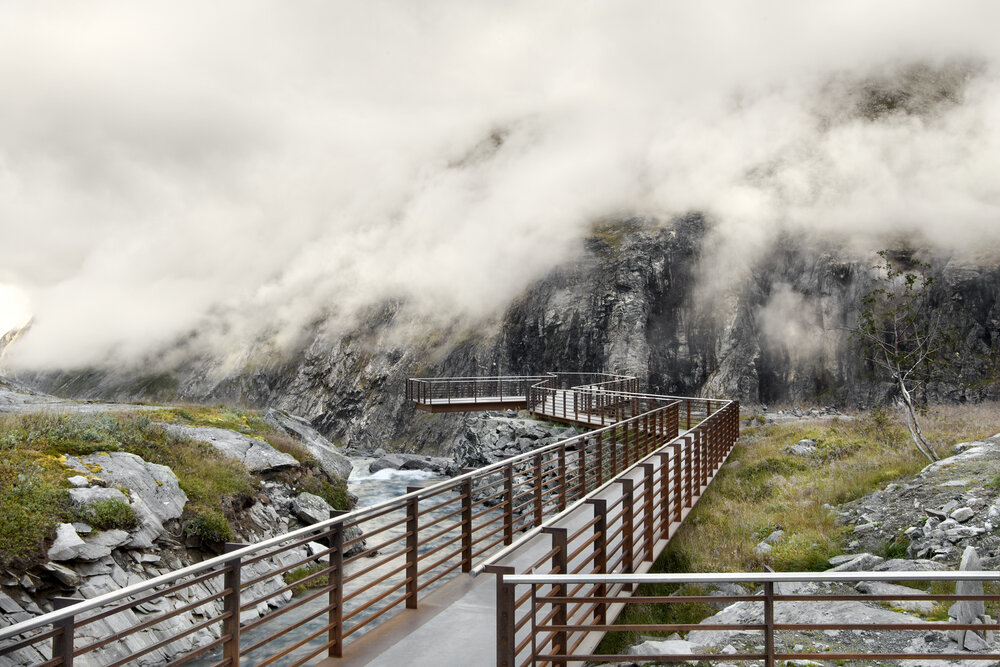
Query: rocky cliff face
632	302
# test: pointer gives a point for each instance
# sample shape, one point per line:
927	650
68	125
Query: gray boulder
65	575
666	647
863	562
256	455
882	588
101	544
747	613
156	484
962	514
903	565
67	543
91	495
332	461
155	492
802	448
435	464
310	508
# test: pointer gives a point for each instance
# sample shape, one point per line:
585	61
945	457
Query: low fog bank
251	171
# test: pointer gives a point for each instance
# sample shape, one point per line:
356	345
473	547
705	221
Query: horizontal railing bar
277	613
754	577
201	650
371	584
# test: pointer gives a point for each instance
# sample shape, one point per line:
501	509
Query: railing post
231	606
628	520
701	444
769	624
600	555
508	515
335	541
467	525
62	644
628	445
561	472
581	464
647	508
687	402
560	565
651	432
412	541
600	459
538	489
678	485
689	477
664	495
505	616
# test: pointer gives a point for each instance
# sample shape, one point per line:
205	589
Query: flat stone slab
882	588
256	455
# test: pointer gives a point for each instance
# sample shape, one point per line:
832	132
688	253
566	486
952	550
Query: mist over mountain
301	205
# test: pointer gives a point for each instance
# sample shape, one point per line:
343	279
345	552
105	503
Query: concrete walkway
456	623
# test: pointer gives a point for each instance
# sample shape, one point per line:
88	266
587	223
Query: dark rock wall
629	304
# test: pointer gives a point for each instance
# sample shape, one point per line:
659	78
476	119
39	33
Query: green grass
655	614
307	574
33	486
763	488
247	422
33	500
32	504
208	524
108	514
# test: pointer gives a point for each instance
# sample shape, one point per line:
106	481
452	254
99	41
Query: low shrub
308	575
109	514
31	506
209	525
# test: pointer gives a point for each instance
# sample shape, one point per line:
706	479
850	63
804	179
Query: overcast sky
261	161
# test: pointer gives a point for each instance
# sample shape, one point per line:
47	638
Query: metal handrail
559	619
552	497
220	561
755	577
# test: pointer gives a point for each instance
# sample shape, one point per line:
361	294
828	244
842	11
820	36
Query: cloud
255	163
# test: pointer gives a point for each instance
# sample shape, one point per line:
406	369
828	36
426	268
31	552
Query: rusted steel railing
544	618
470	390
620	529
367	564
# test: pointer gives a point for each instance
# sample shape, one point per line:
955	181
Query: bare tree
903	334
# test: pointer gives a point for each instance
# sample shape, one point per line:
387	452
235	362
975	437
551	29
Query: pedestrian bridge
415	580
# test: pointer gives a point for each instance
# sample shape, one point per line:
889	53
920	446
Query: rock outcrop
327	455
948	506
256	455
634	301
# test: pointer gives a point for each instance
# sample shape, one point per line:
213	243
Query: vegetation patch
310	577
108	514
210	525
247	422
763	487
33	492
651	613
32	504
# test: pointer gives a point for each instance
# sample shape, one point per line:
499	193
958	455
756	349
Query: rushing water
370	489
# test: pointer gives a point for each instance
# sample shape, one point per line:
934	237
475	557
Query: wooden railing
544	618
367	564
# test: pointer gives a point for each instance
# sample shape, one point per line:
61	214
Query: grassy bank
33	477
763	488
